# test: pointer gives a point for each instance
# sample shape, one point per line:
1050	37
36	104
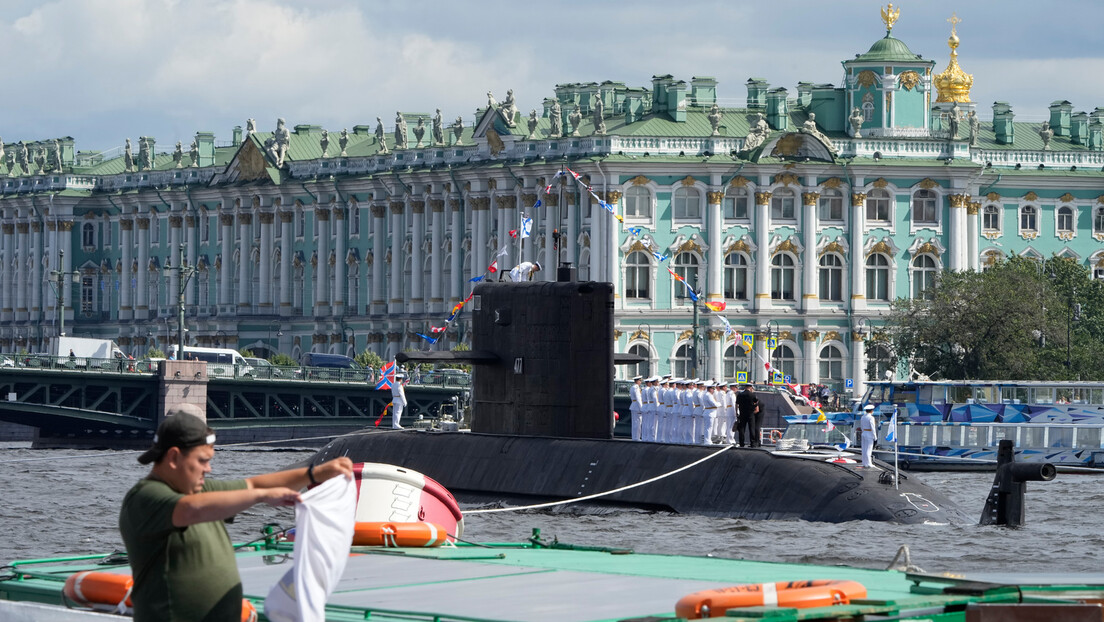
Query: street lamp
185	273
274	325
58	281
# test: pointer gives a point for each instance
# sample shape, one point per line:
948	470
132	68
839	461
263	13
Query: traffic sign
741	377
849	383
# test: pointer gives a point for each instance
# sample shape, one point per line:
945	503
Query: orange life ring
420	534
797	594
109	591
775	436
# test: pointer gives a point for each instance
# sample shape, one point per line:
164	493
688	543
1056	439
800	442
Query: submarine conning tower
542	356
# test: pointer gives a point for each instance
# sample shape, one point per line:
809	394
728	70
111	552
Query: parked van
352	370
220	361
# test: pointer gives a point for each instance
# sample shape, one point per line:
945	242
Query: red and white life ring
797	594
420	534
391	494
110	591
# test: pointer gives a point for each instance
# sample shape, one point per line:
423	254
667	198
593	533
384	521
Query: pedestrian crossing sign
772	343
777	379
741	377
748	341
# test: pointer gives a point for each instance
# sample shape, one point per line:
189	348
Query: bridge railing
74	363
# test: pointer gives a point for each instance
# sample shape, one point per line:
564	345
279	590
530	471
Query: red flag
716	306
437	329
513	233
383	414
493	267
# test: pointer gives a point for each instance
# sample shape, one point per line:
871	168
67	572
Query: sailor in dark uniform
748	406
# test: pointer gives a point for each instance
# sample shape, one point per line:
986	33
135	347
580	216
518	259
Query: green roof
889	49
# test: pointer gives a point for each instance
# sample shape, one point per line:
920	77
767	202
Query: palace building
805	211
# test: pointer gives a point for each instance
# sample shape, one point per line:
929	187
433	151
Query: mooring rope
597	495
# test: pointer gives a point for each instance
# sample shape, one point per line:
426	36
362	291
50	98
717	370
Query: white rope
602	494
938	457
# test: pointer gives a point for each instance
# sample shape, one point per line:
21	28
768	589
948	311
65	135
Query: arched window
735	359
638	276
736	203
830	206
831	277
1098	220
686	203
784	361
88	235
681	363
831	365
878	361
204	226
877	205
782	204
923	276
868	110
877	277
155	230
736	276
1065	219
782	277
923	207
354	221
990	218
1029	218
637	202
643	368
203	287
87	294
686	266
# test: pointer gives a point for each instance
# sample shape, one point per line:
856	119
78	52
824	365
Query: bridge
103	407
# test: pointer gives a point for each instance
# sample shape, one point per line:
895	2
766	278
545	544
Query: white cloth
324	522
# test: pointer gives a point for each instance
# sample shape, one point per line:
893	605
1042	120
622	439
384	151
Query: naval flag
891	434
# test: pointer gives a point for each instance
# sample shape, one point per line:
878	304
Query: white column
507	219
226	284
126	243
286	257
65	243
714	282
758	371
480	210
957	233
37	254
245	246
436	258
395	295
141	311
973	261
416	304
810	300
597	240
457	257
176	222
858	363
613	197
811	373
192	236
265	268
322	270
379	253
21	293
548	262
340	239
762	254
857	256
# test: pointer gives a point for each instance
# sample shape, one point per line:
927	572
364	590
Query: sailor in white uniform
686	412
662	395
648	428
869	429
398	401
636	405
698	413
730	413
709	413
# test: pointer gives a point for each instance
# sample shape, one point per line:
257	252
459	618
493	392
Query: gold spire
889	16
953	85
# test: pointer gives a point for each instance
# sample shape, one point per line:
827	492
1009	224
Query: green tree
155	353
283	360
370	359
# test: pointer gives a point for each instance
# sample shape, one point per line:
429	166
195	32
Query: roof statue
575	118
55	153
193	153
324	142
555	117
856	120
343	141
145	153
40	159
3	156
975	127
400	131
532	125
954	118
250	127
953	85
758	133
381	136
282	139
1046	134
599	111
128	156
178	155
889	16
810	128
458	129
438	129
509	108
419	132
715	119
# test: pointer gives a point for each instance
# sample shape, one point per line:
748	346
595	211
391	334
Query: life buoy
109	591
775	436
797	594
421	534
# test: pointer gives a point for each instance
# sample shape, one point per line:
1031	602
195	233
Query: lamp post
275	325
185	273
59	284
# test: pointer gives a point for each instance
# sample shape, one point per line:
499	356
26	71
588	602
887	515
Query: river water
65	502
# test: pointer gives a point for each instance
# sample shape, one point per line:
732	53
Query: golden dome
953	85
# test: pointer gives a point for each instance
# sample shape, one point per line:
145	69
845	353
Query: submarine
542	430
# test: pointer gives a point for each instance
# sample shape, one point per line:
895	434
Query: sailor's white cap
635	378
868	407
707	384
652	379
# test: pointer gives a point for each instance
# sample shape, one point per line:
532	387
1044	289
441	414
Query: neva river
65	502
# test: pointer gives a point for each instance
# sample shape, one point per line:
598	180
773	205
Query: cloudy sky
103	70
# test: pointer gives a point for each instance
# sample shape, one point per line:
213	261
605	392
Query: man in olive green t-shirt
171	522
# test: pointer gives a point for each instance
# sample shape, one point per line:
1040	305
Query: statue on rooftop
599	111
128	157
1046	134
575	118
438	129
178	155
556	118
324	142
856	119
250	127
509	108
343	141
145	155
955	120
491	102
193	153
400	131
283	140
56	154
419	132
381	136
975	127
3	155
533	124
9	162
40	159
715	119
810	127
458	130
758	133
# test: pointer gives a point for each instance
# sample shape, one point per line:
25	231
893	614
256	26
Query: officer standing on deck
748	406
869	430
636	405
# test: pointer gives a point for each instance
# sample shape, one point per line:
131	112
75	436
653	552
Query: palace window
878	361
637	202
88	235
686	204
784	361
1065	219
686	266
155	229
830	206
107	233
736	276
783	204
1098	220
831	365
682	361
87	294
868	109
924	207
924	271
736	203
877	205
877	277
643	368
1029	218
782	277
990	219
354	224
204	227
831	277
735	359
638	276
300	223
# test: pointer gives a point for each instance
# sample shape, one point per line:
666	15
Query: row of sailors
681	410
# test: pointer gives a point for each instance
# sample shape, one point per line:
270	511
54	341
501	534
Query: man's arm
298	478
203	507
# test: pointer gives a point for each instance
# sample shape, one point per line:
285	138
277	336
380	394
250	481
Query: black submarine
542	430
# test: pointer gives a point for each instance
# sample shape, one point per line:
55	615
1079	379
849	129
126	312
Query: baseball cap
183	427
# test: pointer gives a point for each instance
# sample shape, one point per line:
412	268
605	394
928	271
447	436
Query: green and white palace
806	210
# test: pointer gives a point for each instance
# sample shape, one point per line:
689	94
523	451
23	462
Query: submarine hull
738	483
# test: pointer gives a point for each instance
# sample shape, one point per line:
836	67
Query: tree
283	360
369	359
1008	322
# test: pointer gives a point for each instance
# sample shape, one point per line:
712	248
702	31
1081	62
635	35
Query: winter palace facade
805	211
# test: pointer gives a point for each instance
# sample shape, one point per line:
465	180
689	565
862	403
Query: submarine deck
490	583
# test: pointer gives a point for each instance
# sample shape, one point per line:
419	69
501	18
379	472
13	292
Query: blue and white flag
526	226
891	433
